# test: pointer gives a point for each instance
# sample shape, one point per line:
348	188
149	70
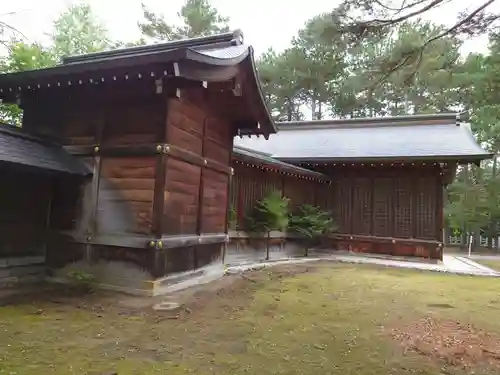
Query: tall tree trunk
492	225
313	108
465	229
407	105
289	109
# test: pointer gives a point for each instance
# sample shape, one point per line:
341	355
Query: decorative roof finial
237	38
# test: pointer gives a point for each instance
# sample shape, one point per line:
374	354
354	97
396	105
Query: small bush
312	223
270	213
81	281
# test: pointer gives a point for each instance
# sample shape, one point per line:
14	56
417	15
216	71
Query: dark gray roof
260	158
221	49
18	147
212	58
405	137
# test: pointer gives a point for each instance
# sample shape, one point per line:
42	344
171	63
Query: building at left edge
123	162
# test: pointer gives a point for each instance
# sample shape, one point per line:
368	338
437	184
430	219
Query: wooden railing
430	249
409	247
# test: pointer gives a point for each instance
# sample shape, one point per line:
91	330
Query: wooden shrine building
388	175
153	128
126	165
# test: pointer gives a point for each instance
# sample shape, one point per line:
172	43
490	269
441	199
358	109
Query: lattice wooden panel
334	204
344	203
250	185
403	207
362	206
383	200
299	191
426	215
325	197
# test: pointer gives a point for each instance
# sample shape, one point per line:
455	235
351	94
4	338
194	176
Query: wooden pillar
48	215
199	217
228	207
439	209
413	205
392	209
200	186
159	193
372	203
160	183
351	204
315	192
240	213
96	179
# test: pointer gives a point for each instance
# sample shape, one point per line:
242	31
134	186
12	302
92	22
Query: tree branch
393	21
459	24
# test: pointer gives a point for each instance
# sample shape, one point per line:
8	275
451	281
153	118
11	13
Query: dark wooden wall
161	163
197	179
25	205
251	184
398	202
95	118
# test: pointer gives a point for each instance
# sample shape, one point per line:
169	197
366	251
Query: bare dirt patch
230	291
455	343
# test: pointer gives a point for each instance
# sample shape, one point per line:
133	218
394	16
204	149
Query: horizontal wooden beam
192	158
121	240
128	150
168	242
355	237
148	150
143	241
405	247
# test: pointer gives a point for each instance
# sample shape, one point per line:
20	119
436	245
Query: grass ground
491	263
306	319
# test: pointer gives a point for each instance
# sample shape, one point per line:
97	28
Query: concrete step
21	261
15	281
22	271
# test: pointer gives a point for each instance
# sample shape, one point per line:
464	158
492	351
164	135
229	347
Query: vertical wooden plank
351	202
283	185
439	209
393	209
315	193
48	216
160	184
159	194
415	187
92	225
200	187
372	205
228	206
241	198
96	178
201	202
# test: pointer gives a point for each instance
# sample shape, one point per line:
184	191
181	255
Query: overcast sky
265	23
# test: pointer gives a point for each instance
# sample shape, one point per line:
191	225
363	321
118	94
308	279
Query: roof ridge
16	131
371	122
224	39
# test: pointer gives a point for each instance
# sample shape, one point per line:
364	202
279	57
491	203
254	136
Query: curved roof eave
267	114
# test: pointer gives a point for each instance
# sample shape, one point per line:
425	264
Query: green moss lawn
308	319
